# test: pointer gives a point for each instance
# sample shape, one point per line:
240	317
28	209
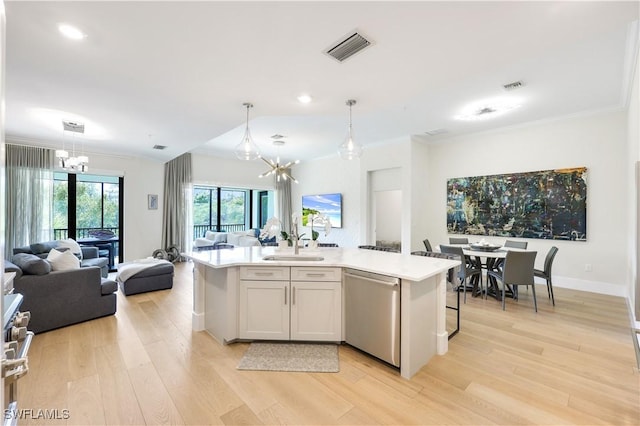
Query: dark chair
379	248
452	277
269	244
516	244
105	249
468	270
458	240
546	273
499	263
327	245
427	245
518	270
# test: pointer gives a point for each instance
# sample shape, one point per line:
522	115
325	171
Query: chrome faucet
294	233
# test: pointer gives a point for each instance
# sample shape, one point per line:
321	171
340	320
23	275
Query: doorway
388	218
385	204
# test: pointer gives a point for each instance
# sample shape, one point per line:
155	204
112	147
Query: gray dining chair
518	270
546	273
468	270
458	240
499	263
516	244
427	245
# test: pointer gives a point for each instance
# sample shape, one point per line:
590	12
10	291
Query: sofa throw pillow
30	264
44	247
216	237
72	245
63	260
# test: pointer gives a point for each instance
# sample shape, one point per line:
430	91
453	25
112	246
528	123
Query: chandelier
72	163
247	149
350	149
280	171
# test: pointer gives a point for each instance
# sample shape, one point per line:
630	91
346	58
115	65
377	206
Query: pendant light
247	149
73	163
349	149
280	171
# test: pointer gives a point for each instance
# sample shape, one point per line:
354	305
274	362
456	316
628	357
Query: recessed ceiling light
304	98
71	32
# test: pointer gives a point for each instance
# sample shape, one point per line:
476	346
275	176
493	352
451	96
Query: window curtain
29	196
177	227
283	195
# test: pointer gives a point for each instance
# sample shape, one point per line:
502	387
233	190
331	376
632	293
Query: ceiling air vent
513	86
73	126
435	132
159	147
348	47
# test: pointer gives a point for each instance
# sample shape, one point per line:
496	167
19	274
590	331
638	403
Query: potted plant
318	219
285	241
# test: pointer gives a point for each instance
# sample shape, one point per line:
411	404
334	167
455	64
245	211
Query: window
228	209
60	206
233	209
96	204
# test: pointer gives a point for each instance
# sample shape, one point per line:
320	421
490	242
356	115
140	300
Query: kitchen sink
286	258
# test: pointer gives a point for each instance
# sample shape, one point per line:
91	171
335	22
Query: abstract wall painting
549	204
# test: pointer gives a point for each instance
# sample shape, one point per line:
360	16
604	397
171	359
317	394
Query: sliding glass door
88	208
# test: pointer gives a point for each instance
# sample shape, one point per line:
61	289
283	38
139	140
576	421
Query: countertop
403	266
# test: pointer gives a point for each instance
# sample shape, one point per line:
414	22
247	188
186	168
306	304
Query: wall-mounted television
327	204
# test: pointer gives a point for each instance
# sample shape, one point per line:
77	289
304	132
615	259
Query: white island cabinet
316	303
240	294
290	303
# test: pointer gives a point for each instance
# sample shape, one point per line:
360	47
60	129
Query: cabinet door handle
285	295
263	274
315	274
293	296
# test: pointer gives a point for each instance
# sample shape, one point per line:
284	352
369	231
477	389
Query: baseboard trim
590	286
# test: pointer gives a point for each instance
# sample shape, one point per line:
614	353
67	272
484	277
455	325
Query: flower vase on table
313	244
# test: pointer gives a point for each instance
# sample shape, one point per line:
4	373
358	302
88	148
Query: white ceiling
177	73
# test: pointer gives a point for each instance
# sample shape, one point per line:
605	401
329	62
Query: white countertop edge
403	266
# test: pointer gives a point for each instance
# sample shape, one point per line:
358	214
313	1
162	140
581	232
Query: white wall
331	175
232	173
142	227
421	187
596	141
633	146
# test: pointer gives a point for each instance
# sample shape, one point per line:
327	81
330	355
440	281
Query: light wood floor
569	364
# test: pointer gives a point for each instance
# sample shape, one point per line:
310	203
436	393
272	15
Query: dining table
488	256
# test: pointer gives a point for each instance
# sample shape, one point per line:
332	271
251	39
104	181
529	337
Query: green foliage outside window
96	204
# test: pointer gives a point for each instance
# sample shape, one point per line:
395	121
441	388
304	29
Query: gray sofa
89	255
60	298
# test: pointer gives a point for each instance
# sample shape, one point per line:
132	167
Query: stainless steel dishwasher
372	314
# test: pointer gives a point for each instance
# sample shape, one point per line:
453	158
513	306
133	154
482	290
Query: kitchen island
222	279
